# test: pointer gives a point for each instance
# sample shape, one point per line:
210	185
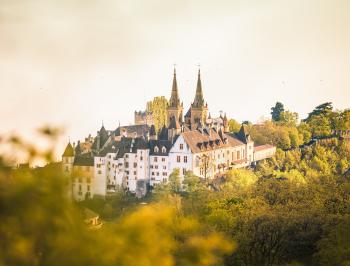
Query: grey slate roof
152	131
86	159
160	144
243	134
163	135
110	148
131	145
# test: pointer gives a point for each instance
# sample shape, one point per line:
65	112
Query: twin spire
174	99
198	99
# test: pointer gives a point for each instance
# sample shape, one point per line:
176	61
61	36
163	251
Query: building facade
137	157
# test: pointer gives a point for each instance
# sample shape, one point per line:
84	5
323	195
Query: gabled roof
69	151
243	134
209	139
160	144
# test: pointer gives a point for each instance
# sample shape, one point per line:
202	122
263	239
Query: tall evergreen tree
276	111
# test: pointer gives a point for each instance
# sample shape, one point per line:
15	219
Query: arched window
163	149
156	149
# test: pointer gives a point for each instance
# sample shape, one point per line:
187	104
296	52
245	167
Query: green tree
158	107
276	111
289	118
234	126
175	181
322	109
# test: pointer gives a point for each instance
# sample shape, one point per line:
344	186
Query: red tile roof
200	141
263	147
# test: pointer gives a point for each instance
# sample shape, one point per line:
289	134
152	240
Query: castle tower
68	159
225	124
175	107
199	109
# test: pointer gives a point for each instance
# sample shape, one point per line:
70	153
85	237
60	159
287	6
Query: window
67	169
164	167
183	171
156	149
164	173
163	150
141	158
156	166
135	165
157	173
185	159
151	166
80	180
79	187
156	159
152	173
88	180
181	146
126	155
163	159
238	155
88	188
178	159
99	172
164	179
98	165
127	172
134	172
126	165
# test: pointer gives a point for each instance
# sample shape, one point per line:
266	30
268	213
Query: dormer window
181	146
163	150
156	149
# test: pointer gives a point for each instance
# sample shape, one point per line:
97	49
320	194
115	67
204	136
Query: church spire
174	99
199	99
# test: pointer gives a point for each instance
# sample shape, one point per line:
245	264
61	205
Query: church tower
175	107
199	108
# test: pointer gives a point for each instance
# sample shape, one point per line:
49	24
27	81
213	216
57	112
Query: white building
134	157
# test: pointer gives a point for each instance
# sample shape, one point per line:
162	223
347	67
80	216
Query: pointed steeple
69	151
198	99
174	99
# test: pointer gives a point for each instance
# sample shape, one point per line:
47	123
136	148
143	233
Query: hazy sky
76	63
